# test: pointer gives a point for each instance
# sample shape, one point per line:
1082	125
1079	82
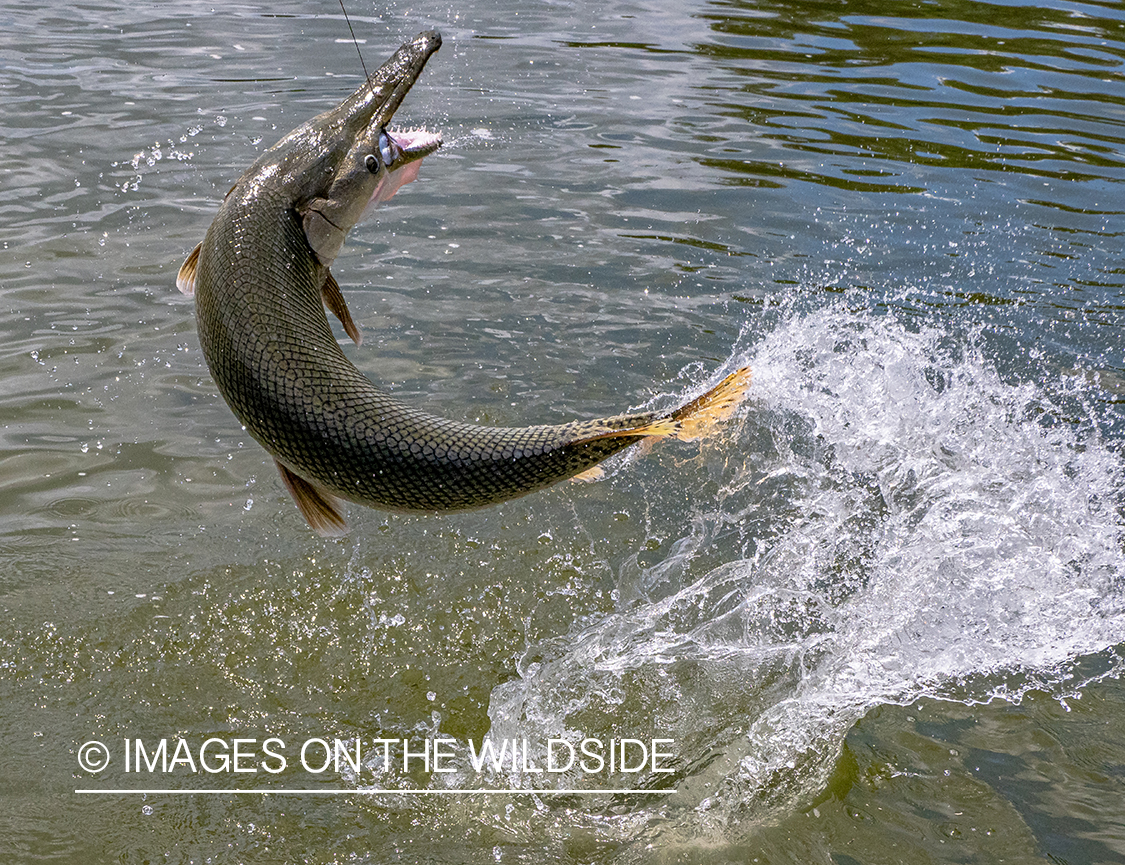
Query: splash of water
930	531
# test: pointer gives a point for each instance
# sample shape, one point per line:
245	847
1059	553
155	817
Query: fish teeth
416	139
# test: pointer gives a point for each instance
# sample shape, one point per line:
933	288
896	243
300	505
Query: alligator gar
261	282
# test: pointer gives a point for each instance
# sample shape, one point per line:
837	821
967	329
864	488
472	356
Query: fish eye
372	163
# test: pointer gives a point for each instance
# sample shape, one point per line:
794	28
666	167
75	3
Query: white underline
371	792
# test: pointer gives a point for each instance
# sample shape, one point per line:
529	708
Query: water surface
881	616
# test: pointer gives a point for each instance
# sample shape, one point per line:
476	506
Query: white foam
945	536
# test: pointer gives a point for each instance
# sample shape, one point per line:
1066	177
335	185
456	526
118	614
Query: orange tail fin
687	423
699	417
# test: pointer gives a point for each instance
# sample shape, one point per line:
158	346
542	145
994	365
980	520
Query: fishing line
348	21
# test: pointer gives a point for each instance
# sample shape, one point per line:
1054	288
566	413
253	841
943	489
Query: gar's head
341	163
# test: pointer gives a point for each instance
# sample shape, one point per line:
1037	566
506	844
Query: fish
261	283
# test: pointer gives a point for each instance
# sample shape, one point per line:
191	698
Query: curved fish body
261	282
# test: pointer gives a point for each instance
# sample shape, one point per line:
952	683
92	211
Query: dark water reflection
1026	78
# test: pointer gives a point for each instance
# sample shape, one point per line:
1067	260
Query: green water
879	618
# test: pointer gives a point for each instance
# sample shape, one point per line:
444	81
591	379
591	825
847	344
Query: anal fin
596	473
334	300
318	508
185	279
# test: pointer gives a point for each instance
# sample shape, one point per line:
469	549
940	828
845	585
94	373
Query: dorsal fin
185	279
317	507
334	300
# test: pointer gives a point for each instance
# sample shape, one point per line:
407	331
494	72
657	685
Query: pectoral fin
318	508
334	300
185	279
